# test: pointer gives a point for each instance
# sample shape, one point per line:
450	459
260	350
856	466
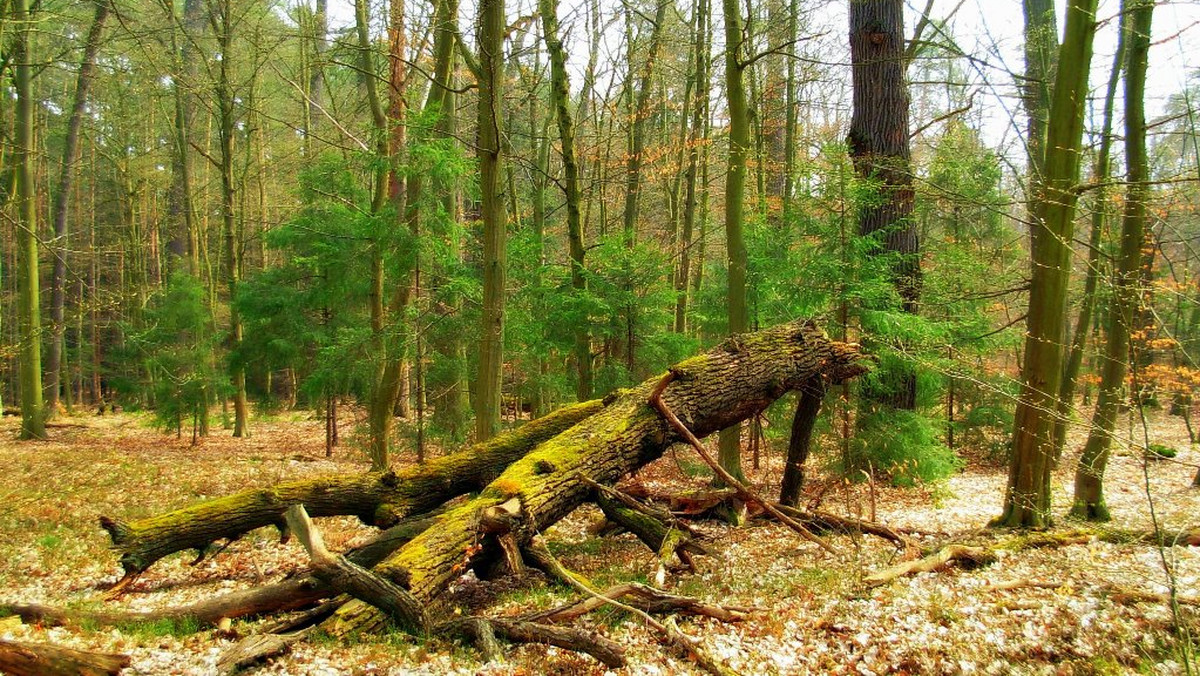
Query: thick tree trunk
710	392
378	498
879	148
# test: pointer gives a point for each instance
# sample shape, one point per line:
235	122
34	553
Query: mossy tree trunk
710	392
490	38
377	498
33	417
1089	475
560	92
1027	497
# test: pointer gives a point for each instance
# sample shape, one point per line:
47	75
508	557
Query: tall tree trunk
789	139
490	39
735	191
1089	475
222	24
33	414
87	68
392	371
1027	497
640	114
183	238
451	406
560	94
879	147
1066	392
316	77
701	60
773	117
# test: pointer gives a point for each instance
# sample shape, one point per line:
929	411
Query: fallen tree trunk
40	659
377	498
727	385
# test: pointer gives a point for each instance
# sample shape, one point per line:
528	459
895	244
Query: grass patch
177	627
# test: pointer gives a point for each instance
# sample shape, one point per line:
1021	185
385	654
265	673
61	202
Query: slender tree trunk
490	39
87	67
222	24
1066	393
182	243
808	405
316	78
789	140
701	59
393	373
1027	497
560	94
387	375
735	190
640	114
1089	475
33	414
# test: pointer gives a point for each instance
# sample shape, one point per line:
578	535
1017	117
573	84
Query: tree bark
879	148
1123	312
712	391
1027	497
1041	48
377	498
701	59
222	20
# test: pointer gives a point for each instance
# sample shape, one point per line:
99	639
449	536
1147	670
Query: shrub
904	445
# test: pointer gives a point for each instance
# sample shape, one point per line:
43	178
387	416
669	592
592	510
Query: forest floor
813	612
